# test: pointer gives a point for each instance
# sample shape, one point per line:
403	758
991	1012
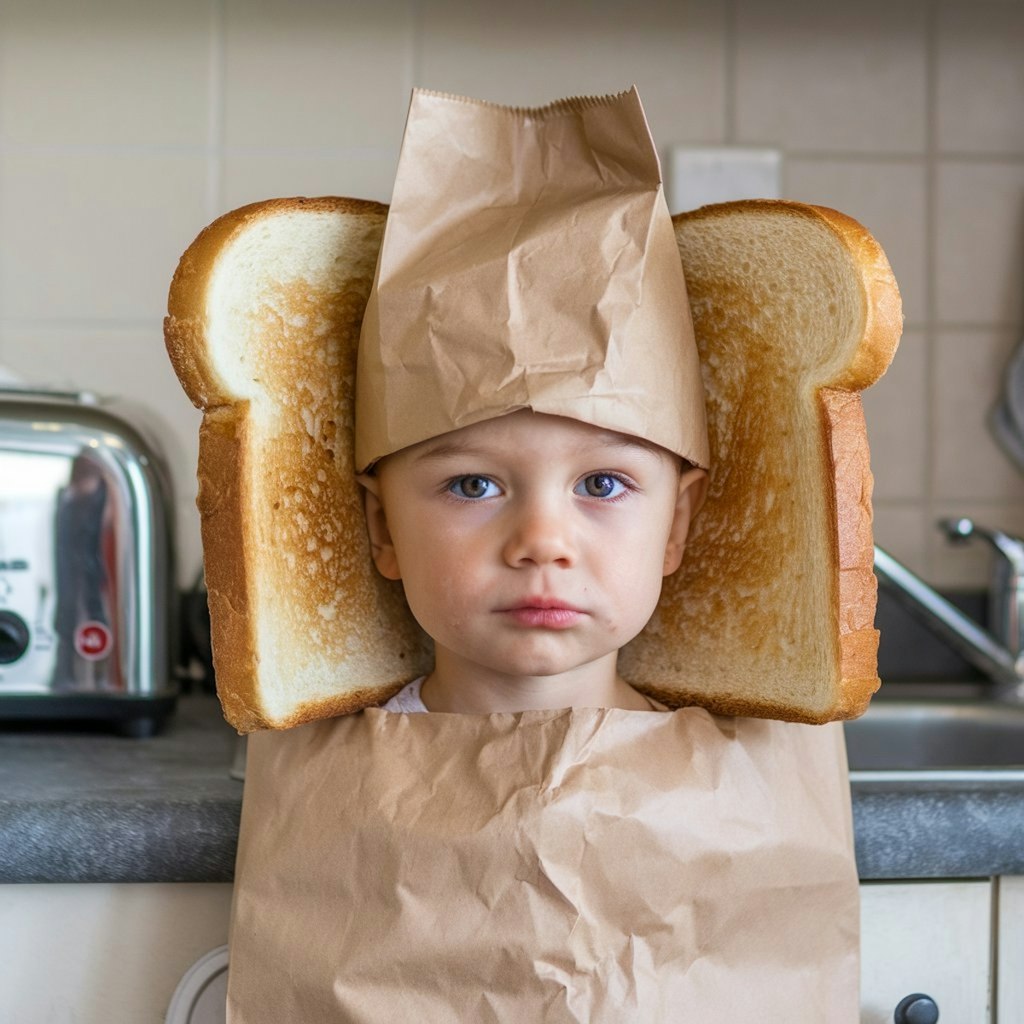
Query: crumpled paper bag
584	865
528	262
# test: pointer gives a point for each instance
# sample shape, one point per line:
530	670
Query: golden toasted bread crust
848	439
882	305
857	586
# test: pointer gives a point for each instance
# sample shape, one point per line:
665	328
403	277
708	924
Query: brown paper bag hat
795	310
528	262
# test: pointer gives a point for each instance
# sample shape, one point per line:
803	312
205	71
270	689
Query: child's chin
541	666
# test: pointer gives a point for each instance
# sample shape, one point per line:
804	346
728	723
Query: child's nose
541	534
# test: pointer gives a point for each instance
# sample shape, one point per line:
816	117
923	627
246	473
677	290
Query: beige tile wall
126	125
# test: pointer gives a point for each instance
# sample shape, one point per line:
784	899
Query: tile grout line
931	270
79	324
729	73
416	51
993	964
3	180
215	120
218	147
850	156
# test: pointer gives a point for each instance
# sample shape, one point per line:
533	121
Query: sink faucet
999	654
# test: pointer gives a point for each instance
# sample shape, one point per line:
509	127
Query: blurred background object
88	600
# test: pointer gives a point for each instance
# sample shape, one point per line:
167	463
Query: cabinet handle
916	1008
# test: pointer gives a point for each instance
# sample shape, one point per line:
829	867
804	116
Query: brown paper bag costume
579	865
586	866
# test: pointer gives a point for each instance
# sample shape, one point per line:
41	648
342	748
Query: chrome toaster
87	599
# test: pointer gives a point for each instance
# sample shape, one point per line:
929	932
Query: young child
530	437
532	515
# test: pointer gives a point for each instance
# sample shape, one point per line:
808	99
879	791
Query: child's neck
458	686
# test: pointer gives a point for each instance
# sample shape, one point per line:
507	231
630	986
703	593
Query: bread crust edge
846	442
224	468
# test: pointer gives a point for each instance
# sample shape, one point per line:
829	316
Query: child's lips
544	613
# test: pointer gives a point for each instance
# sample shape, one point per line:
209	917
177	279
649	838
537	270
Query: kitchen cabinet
103	953
1010	950
928	937
91	954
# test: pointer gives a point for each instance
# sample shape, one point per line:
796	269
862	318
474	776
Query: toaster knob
14	637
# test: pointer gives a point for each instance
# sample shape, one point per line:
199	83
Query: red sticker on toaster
93	640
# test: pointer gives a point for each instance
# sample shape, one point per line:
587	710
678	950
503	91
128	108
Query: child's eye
473	487
600	485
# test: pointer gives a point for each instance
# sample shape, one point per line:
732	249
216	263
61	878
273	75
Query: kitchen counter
938	824
101	808
95	807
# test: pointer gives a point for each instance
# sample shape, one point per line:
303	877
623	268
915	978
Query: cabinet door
103	954
930	937
1010	972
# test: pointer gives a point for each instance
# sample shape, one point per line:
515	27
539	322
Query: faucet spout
1006	593
1011	548
975	644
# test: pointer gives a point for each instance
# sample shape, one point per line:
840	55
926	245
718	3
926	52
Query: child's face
530	545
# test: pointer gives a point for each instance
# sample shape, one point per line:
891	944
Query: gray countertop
91	807
101	808
938	824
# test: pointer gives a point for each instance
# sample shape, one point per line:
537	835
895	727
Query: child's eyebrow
631	444
447	449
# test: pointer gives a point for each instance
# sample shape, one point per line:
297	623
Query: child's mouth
544	614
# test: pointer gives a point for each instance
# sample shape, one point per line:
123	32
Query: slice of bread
263	324
795	310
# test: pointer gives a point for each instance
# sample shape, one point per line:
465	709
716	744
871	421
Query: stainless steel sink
936	735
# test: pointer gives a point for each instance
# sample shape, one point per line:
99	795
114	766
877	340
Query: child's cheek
441	587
